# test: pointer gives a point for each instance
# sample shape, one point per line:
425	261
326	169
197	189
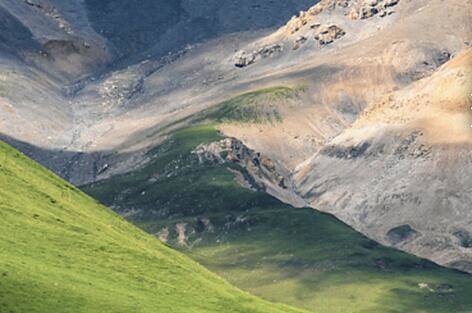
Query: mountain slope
343	56
167	26
60	251
74	60
206	195
415	144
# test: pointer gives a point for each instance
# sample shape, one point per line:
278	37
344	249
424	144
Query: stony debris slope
401	173
401	177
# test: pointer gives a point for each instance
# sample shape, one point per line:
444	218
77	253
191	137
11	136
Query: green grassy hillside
296	256
60	251
259	106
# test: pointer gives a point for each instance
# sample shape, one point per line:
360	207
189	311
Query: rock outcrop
328	34
261	170
317	23
256	171
243	58
53	13
299	41
369	8
353	9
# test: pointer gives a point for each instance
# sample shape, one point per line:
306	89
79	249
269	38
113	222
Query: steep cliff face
260	172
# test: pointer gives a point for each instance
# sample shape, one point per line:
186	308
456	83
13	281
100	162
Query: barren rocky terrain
376	129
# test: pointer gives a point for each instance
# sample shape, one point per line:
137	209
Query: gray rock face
259	167
131	32
15	37
52	50
259	171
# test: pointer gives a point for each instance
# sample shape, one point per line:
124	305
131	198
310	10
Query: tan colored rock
353	14
328	34
299	41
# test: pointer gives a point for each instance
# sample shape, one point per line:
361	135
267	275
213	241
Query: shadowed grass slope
61	251
296	256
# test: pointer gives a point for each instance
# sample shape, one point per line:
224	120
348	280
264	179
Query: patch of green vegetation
175	180
61	251
313	261
253	107
259	106
296	256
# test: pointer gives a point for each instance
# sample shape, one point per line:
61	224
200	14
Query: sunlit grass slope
297	256
60	251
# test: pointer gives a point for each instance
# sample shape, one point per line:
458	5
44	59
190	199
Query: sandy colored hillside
405	165
440	105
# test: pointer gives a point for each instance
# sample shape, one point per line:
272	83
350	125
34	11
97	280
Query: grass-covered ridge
61	251
297	256
253	107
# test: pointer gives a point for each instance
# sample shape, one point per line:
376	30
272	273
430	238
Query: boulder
297	22
328	34
400	234
353	14
299	41
367	12
243	58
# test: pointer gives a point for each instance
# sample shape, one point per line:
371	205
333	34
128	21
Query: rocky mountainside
375	128
71	70
400	173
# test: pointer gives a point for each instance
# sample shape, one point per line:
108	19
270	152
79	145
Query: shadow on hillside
76	167
159	27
